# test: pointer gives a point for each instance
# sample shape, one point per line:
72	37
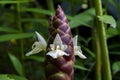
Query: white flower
77	49
38	45
57	48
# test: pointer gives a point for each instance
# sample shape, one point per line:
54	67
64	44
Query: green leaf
108	20
41	21
15	77
13	1
82	18
34	20
5	77
117	53
88	51
7	29
111	32
11	77
113	46
38	10
7	37
113	3
118	26
116	67
16	63
36	58
42	11
81	67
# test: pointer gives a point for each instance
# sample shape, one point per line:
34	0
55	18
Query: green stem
106	6
20	28
96	47
50	5
19	17
97	51
91	3
103	44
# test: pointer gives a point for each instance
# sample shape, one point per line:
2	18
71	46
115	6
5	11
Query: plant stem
96	47
50	5
103	44
106	6
97	51
20	28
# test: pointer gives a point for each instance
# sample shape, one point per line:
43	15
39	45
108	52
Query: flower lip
56	53
78	52
57	48
36	49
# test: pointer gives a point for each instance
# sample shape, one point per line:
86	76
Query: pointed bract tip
58	6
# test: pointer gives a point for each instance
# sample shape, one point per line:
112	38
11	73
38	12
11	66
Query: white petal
78	52
36	48
75	39
52	54
57	40
61	53
35	44
63	47
42	40
57	48
56	53
52	46
32	52
77	49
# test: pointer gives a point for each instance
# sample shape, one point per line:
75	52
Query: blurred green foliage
19	19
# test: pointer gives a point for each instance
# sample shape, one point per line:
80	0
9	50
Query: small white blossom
84	6
77	49
57	48
38	45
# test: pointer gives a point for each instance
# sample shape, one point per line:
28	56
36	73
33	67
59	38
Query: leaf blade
38	10
108	20
14	2
15	77
7	37
4	77
81	67
82	18
11	77
116	67
16	63
7	29
36	58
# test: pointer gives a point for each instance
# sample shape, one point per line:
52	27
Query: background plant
21	18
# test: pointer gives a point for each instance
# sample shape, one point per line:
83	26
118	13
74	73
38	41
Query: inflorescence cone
60	68
60	50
